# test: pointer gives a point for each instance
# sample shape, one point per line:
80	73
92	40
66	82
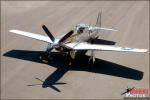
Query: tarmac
23	76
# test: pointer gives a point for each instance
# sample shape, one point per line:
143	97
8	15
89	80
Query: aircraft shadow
59	62
52	80
103	42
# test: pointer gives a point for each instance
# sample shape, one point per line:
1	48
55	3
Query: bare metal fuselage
77	37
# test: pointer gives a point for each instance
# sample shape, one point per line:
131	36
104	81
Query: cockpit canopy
80	28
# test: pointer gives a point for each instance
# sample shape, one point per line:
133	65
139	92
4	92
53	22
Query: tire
91	64
44	57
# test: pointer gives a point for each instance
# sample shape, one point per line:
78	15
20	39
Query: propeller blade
59	83
48	33
66	36
39	79
34	84
56	89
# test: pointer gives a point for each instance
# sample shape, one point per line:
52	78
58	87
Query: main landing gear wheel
45	58
69	61
91	63
91	60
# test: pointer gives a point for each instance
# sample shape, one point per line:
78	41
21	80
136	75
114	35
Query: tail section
99	24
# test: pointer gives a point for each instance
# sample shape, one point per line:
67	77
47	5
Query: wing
32	35
87	46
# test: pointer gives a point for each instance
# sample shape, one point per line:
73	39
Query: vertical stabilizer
99	17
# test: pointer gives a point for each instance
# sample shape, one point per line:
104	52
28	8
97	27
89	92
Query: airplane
127	90
76	42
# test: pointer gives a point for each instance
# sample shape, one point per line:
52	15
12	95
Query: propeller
56	43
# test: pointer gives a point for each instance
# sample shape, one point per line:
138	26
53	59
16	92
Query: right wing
87	46
32	35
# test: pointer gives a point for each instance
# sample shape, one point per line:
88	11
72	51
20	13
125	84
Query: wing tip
141	50
12	30
144	50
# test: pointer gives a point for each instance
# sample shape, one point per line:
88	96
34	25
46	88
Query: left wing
87	46
32	35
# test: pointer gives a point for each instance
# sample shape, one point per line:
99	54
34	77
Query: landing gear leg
46	56
49	56
91	59
70	60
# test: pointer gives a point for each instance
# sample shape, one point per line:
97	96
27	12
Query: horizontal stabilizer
107	29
